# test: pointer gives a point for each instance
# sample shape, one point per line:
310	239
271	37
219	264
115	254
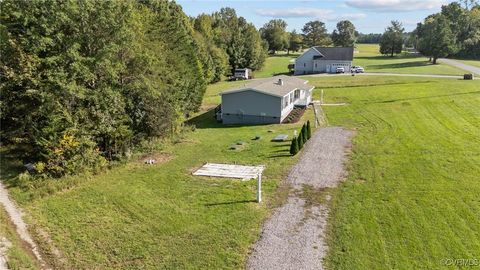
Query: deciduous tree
315	34
392	39
344	35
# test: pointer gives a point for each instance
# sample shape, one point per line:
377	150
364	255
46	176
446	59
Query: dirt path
15	215
461	65
294	237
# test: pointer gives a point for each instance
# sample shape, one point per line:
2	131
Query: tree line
84	82
314	33
455	31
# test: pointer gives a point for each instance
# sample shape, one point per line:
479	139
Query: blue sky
369	16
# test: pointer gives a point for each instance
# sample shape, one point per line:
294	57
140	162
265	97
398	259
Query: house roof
271	86
334	53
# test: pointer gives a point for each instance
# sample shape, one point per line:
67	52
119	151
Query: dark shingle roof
335	53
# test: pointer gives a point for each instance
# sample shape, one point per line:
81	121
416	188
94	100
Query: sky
368	16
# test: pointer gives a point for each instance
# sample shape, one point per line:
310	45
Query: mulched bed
295	115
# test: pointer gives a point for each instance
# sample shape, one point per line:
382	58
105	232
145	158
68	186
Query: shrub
294	146
300	141
304	133
309	130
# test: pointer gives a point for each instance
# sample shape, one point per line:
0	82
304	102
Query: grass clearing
276	65
475	63
411	197
368	56
160	216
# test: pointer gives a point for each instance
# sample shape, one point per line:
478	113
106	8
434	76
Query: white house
264	101
324	60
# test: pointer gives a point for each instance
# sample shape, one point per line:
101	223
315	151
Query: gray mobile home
264	101
324	60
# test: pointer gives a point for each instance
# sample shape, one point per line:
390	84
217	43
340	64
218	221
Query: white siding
321	66
304	63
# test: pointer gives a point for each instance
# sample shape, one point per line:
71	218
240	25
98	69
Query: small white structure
230	171
242	74
234	171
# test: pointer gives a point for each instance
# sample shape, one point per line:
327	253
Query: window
315	64
304	64
291	97
296	94
285	102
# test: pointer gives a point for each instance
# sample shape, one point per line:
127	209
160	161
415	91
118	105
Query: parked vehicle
340	70
242	74
359	70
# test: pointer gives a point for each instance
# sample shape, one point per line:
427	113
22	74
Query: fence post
259	188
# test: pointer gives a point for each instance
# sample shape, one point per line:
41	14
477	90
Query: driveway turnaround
461	65
294	237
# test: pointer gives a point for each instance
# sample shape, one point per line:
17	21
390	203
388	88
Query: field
161	216
411	197
369	57
276	65
475	63
410	200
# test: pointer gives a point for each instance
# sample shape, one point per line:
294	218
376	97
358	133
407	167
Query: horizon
368	16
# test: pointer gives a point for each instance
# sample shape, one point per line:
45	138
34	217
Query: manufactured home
264	101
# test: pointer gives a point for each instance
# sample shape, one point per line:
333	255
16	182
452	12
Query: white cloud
395	5
315	13
349	16
295	12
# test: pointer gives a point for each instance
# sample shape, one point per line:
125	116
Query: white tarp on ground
230	171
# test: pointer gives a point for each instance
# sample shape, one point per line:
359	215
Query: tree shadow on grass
419	98
286	154
402	65
229	202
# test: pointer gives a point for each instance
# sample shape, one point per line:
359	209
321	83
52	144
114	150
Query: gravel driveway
294	237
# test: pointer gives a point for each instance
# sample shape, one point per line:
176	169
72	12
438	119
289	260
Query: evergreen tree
309	130
294	146
304	133
300	141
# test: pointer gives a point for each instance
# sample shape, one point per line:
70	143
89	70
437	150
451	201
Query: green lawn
368	56
475	63
141	216
276	65
411	198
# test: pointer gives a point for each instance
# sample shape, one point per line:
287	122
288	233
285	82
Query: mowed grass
369	57
276	65
475	63
411	199
162	217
